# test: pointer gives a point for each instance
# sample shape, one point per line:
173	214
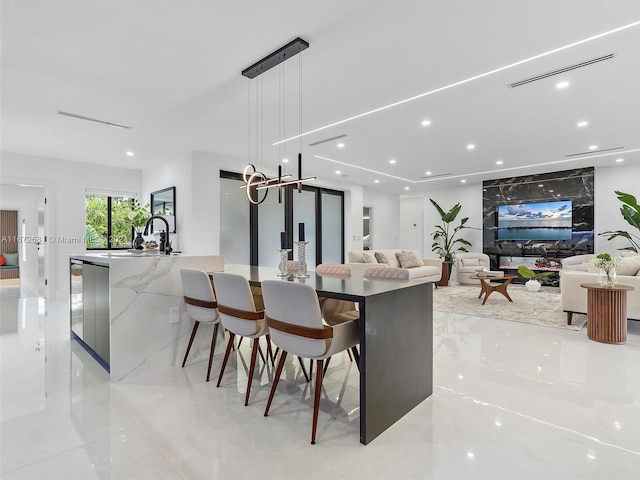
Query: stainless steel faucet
165	244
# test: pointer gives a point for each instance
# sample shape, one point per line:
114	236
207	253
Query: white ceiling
172	70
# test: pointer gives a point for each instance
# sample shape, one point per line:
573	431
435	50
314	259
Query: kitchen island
128	310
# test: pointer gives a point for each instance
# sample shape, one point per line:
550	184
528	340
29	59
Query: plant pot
533	285
446	274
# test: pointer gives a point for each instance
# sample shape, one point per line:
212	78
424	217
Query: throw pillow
417	255
470	262
2	260
11	258
369	257
382	258
407	259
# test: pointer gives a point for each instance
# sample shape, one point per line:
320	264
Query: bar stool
201	306
295	324
240	317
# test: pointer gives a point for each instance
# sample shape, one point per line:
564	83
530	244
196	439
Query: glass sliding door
270	224
235	225
304	211
332	221
250	234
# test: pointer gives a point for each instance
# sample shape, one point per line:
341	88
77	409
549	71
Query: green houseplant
533	284
631	213
445	237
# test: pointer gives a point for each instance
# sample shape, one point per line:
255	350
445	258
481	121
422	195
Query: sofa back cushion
630	266
369	257
355	256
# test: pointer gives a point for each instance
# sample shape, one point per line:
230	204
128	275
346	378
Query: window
106	222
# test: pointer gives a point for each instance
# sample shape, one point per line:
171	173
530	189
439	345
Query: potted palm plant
631	213
445	240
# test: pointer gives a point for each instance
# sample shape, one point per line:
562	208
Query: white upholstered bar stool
201	307
295	324
240	317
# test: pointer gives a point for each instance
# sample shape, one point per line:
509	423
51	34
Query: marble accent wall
575	185
142	292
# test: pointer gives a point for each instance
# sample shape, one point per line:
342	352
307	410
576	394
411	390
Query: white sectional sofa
360	260
575	271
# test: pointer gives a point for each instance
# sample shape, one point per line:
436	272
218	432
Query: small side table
607	312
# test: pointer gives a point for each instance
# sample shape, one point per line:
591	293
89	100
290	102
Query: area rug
535	308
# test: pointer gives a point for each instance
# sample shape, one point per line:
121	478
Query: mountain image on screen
535	221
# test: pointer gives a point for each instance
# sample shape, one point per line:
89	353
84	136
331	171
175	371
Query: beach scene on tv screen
535	221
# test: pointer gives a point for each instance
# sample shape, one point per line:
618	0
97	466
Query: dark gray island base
396	341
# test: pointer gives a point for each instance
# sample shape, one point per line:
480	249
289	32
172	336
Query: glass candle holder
302	262
284	259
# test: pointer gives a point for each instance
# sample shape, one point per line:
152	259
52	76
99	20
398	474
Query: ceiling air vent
563	70
327	140
89	119
440	175
591	152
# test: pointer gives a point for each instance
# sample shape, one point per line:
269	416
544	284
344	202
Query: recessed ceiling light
376	181
338	172
593	147
426	123
285	160
427	173
540	185
557	194
619	160
471	146
341	145
392	161
406	188
562	85
551	191
463	181
582	123
499	162
129	154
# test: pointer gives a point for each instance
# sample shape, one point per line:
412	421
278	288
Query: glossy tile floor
510	401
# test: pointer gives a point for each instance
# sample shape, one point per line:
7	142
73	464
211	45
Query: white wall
470	197
197	182
384	218
26	200
607	206
412	225
65	184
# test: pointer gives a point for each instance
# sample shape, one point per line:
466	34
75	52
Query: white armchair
468	263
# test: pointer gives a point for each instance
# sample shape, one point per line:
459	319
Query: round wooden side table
607	312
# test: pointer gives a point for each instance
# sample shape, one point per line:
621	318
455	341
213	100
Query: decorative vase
533	285
607	278
138	241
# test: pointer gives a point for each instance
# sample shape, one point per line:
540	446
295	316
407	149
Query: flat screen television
535	221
